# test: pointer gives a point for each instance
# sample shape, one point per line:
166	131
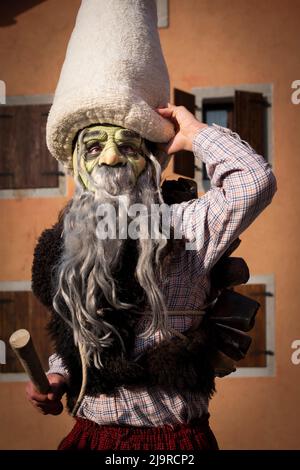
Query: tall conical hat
114	72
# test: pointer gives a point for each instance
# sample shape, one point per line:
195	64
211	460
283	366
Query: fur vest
175	364
178	364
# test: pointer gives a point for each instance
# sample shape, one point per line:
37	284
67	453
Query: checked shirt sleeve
242	186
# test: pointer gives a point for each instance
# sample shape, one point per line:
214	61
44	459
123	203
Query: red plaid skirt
87	435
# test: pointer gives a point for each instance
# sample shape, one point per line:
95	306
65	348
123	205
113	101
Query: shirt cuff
56	367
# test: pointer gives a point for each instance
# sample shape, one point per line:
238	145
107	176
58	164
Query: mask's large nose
111	156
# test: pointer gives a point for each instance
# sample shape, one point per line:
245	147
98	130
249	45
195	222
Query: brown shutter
249	119
184	161
23	310
7	147
25	162
256	356
10	10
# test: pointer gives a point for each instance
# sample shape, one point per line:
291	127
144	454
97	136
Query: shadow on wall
9	10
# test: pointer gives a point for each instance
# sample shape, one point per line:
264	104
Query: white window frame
2	92
61	189
162	13
228	91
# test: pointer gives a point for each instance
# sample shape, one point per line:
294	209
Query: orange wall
208	43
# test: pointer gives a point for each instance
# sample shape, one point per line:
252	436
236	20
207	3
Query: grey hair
86	268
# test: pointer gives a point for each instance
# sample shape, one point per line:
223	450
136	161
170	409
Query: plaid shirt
242	185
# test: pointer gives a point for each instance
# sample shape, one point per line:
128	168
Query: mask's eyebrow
128	134
99	134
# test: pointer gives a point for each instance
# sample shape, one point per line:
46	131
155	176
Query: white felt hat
114	72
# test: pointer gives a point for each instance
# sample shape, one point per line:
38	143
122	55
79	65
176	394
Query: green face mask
109	145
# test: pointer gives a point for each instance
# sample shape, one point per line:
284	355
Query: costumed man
141	324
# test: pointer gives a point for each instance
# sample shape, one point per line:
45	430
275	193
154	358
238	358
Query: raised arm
242	186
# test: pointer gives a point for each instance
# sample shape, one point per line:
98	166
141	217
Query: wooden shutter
7	147
249	119
25	162
256	356
23	310
184	161
10	10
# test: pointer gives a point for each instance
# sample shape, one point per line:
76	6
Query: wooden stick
23	347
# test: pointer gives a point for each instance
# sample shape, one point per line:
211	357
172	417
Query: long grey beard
88	262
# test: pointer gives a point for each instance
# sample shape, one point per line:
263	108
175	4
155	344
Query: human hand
186	126
49	403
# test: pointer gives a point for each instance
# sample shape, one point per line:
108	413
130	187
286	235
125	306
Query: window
260	359
246	109
218	110
244	113
26	166
19	308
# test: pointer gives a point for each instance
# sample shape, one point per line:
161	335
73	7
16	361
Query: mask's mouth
117	165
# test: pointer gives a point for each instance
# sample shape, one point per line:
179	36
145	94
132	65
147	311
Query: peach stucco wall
208	43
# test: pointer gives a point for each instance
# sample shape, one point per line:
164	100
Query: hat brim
68	116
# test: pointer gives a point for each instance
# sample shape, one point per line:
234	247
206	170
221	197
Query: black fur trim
46	255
